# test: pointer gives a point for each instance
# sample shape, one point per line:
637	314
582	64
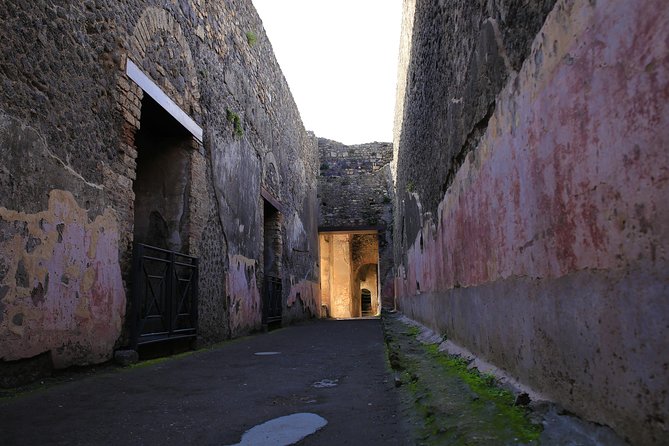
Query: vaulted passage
349	274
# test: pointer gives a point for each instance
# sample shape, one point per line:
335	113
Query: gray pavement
213	397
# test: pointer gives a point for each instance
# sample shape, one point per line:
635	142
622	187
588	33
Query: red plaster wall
549	253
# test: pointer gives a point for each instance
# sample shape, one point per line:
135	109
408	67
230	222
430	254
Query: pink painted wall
549	251
243	296
62	291
304	297
246	301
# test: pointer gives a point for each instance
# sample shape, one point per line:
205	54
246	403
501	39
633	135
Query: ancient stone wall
531	215
70	113
355	191
353	188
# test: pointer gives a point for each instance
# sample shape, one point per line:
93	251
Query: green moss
234	118
69	375
30	389
451	404
251	38
410	186
150	362
485	386
413	331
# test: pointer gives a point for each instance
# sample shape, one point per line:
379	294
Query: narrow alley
490	269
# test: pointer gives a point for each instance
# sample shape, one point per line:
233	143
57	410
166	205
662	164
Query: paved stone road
213	397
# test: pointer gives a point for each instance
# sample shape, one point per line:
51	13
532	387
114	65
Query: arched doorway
366	284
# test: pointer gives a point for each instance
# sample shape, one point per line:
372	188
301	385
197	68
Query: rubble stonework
70	116
354	184
531	220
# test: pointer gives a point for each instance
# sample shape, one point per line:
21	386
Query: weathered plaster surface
65	294
70	115
571	172
243	295
548	253
303	298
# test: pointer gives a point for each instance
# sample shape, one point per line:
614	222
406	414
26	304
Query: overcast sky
340	60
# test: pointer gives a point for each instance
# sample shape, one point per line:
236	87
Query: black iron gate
164	291
272	303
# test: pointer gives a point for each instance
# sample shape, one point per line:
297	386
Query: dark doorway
163	178
164	288
272	252
366	302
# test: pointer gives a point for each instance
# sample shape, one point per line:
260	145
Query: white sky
340	60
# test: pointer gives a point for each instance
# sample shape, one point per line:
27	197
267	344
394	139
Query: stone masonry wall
355	191
531	215
69	115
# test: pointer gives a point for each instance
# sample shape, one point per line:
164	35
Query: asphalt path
334	369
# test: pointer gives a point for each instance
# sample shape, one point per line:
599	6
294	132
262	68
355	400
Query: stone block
126	357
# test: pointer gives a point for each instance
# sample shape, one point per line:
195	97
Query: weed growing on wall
251	38
236	122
